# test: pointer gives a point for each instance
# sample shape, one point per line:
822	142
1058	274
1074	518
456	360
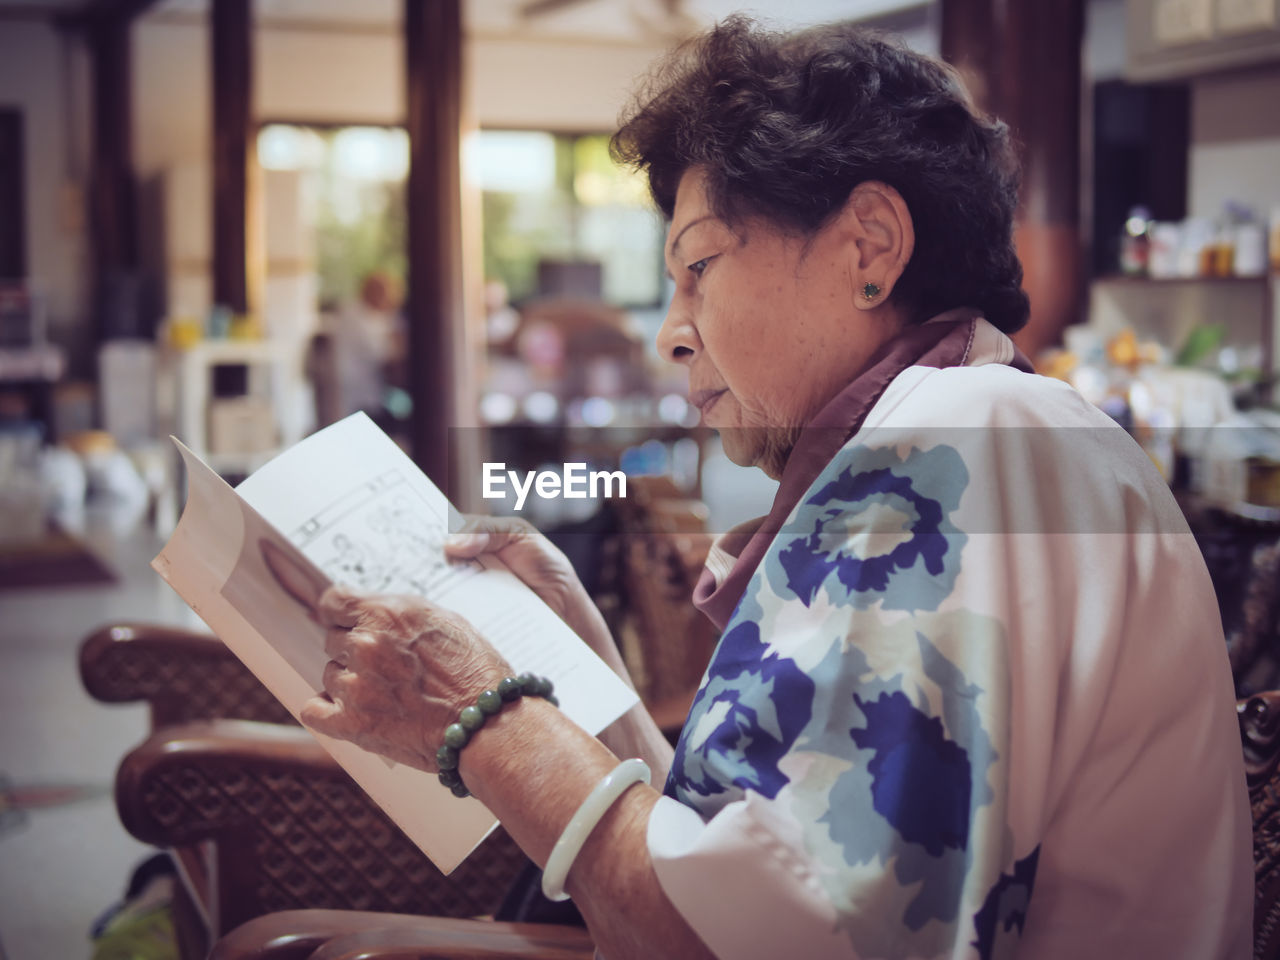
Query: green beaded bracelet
471	719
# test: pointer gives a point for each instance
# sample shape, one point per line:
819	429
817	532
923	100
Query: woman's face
766	322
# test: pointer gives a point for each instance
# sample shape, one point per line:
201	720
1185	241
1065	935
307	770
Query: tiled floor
66	865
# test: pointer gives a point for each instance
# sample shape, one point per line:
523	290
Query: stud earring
870	291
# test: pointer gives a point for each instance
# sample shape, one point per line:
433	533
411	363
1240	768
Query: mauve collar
944	341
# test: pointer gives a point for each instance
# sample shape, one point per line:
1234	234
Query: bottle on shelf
1251	250
1135	243
1223	251
1275	239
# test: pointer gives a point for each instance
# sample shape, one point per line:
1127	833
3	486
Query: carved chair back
257	817
281	826
1260	733
183	675
666	642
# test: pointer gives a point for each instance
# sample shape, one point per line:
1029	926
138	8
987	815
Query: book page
344	507
360	510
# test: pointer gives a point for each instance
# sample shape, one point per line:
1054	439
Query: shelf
39	363
1203	44
1195	503
237	351
1119	278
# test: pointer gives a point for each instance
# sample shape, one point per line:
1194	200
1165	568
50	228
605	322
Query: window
545	196
355	180
561	197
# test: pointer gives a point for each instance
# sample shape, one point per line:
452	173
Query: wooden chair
182	674
591	333
334	935
666	642
262	819
1260	731
256	815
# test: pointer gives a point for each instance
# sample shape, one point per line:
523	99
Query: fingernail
466	541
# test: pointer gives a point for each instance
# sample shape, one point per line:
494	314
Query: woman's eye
697	268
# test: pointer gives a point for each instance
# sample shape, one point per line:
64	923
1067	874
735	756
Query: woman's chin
761	447
738	447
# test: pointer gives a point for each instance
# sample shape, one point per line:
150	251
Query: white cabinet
235	435
1176	39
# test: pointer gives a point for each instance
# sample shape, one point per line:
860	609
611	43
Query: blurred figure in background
358	357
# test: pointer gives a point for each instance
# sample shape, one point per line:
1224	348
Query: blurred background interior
237	221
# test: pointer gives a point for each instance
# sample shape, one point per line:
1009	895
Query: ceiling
625	17
634	20
36	8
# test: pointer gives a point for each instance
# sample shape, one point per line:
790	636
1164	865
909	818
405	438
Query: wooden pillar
967	43
231	39
13	216
113	217
434	302
1027	54
1041	91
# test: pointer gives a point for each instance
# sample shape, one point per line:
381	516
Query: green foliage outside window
347	251
582	207
544	196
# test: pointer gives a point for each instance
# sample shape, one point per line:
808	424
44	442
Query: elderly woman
971	697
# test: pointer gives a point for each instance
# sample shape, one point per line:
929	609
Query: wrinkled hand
539	564
400	671
545	570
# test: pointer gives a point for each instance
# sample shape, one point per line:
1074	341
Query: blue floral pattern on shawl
744	737
881	501
846	695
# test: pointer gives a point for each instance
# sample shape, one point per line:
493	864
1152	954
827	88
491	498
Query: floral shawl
955	686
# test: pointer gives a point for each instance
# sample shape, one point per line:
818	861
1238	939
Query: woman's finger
340	606
466	545
349	647
337	644
326	717
479	535
337	681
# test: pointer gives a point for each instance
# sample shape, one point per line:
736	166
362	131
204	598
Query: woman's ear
883	240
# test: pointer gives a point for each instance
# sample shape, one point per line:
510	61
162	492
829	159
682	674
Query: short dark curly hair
786	125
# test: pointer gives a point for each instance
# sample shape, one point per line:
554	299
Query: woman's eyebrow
685	229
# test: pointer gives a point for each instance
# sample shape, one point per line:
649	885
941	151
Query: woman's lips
704	400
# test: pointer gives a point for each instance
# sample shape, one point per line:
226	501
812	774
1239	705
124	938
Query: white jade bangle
599	800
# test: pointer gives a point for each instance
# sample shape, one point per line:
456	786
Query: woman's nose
678	337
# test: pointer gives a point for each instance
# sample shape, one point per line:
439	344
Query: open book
346	505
